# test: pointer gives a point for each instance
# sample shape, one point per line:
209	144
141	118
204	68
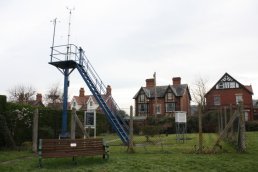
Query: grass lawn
173	157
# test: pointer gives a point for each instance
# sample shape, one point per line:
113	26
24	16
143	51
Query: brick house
88	102
229	92
168	99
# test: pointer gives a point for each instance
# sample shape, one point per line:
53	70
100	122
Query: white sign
73	144
180	117
90	119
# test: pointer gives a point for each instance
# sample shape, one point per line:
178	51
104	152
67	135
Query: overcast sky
128	40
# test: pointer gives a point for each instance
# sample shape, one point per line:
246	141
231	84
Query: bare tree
199	89
54	95
22	94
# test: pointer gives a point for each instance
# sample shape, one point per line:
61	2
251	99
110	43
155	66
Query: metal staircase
76	58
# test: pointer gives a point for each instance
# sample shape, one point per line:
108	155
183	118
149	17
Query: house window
141	98
170	107
91	103
246	116
217	100
220	85
74	104
224	85
239	98
142	107
158	109
170	96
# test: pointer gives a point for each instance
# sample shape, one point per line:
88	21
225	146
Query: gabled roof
81	100
178	90
226	77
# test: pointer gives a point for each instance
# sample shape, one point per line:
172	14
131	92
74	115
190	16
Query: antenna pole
69	25
53	40
69	30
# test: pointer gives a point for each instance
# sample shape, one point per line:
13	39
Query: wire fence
220	130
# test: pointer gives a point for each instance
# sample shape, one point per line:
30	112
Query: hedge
19	118
2	103
251	125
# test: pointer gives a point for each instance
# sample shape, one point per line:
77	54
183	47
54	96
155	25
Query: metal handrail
61	52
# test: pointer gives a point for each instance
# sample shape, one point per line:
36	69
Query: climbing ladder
71	57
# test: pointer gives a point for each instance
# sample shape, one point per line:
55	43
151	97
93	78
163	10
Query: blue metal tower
68	57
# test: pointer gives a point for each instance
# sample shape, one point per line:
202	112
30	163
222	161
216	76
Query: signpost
90	120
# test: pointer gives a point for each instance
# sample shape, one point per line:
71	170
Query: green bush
2	103
251	126
150	131
19	120
192	124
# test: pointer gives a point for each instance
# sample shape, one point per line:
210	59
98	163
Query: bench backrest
71	147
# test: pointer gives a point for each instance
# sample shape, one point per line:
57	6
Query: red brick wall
228	96
185	103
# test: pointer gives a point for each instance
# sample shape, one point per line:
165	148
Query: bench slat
62	148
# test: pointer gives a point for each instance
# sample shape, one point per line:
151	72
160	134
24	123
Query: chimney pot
82	92
108	90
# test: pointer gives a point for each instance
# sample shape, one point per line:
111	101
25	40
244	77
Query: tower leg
64	115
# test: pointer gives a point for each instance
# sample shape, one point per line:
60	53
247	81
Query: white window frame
239	98
141	97
158	109
144	107
217	100
173	107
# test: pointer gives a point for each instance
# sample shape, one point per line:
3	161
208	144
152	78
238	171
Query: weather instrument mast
68	57
66	68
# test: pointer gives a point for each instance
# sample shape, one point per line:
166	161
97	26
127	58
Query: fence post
230	116
225	119
130	145
35	131
241	138
200	129
221	120
73	124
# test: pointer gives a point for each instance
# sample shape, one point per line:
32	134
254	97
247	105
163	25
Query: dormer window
170	97
91	103
141	98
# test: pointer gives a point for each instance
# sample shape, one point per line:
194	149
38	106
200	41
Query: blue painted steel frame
64	114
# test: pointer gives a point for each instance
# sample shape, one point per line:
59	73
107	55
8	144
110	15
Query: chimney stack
176	81
108	90
82	92
39	97
150	83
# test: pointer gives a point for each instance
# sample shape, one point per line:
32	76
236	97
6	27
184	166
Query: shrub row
19	118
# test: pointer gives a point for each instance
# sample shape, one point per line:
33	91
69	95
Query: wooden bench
59	148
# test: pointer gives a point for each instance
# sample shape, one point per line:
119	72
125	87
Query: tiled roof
81	100
178	90
249	88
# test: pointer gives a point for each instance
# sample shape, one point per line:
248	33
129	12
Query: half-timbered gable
229	92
